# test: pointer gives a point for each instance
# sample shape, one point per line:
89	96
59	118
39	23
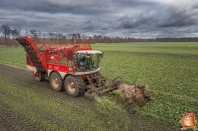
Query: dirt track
12	121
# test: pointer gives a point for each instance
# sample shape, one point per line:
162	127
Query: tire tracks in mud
12	121
9	121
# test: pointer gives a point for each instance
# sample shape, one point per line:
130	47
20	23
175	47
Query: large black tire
39	77
56	81
74	85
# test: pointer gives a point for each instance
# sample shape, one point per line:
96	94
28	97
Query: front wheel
39	76
74	85
56	81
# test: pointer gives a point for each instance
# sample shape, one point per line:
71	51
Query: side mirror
102	55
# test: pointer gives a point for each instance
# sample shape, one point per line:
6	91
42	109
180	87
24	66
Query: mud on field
83	110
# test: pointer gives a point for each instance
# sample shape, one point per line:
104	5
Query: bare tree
44	37
52	37
5	29
15	33
60	38
33	33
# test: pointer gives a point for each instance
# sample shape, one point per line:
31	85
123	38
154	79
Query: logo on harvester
188	121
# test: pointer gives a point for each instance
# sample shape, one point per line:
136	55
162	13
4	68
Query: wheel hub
56	81
72	87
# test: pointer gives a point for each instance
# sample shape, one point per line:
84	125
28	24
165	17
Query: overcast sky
126	18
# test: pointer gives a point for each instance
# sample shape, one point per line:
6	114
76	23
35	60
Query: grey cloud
178	18
85	7
127	22
138	18
168	16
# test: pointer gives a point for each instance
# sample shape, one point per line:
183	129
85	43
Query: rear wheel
56	81
74	85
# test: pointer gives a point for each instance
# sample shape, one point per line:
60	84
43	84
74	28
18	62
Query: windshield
88	62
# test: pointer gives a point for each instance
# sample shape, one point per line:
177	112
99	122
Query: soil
12	121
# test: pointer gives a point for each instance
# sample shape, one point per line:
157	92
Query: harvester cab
74	67
88	60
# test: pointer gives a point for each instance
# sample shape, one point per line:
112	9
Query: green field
151	47
13	56
172	77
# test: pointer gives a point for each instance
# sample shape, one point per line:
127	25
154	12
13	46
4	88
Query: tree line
9	34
